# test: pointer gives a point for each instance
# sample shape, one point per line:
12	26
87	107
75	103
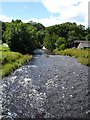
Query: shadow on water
40	52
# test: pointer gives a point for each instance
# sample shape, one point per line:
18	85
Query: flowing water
48	86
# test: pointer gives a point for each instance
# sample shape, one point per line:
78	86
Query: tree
49	41
25	37
20	37
88	37
40	38
3	28
60	43
39	26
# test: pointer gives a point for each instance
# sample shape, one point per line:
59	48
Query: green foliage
40	35
7	69
84	61
26	37
68	31
83	56
12	60
3	48
60	43
52	42
23	37
8	57
62	47
88	37
20	37
49	41
9	61
71	37
39	26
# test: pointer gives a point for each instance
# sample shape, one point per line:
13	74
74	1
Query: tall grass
10	66
8	57
9	61
82	55
12	60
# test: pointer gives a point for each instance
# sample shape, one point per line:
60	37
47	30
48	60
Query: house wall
83	45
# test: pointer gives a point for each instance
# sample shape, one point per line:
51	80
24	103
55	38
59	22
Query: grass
82	55
11	60
3	48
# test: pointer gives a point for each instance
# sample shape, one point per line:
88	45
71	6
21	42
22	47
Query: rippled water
49	86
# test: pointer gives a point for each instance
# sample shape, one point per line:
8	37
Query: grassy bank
9	61
82	55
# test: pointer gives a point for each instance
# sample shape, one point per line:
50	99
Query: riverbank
11	60
82	55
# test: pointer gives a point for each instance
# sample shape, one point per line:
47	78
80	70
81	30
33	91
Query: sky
46	12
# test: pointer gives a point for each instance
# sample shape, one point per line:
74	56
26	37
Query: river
48	86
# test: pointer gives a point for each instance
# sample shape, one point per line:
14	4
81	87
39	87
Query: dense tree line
63	35
26	37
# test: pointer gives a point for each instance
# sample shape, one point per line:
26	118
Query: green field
82	55
9	61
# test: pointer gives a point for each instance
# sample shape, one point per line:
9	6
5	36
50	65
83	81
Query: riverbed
48	86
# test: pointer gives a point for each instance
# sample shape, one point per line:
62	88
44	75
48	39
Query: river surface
48	86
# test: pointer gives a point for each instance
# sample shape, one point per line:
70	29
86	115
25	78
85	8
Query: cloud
53	21
21	0
59	6
5	18
45	21
68	10
61	11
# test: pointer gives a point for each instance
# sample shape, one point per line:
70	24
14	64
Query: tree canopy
26	37
23	37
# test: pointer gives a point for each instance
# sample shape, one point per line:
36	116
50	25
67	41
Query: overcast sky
47	12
